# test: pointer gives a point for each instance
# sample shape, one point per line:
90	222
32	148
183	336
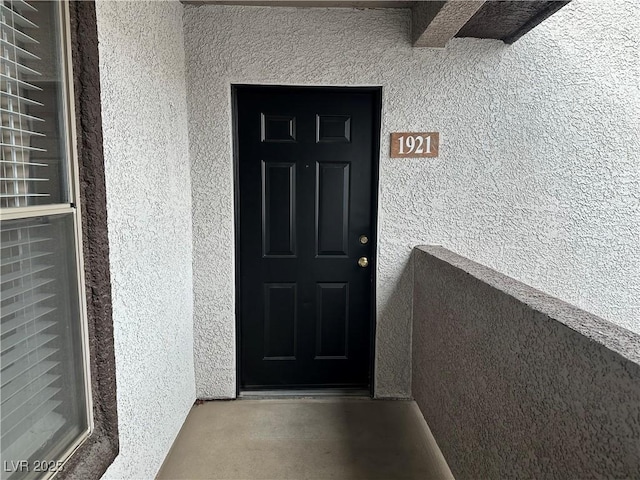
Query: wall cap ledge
613	337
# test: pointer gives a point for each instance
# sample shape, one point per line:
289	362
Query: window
45	402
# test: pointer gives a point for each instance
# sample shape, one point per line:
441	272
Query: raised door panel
280	321
278	209
332	321
332	209
333	128
278	128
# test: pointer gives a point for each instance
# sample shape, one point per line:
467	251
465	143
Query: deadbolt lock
364	239
363	262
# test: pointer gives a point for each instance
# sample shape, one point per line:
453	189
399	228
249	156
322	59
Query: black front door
306	161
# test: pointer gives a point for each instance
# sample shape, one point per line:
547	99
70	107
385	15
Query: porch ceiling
434	23
307	4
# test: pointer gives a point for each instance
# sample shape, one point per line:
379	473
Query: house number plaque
414	144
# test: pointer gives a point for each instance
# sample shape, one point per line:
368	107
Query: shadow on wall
393	361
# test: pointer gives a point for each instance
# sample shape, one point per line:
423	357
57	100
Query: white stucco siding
538	173
144	114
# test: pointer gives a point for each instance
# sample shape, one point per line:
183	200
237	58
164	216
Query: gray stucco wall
537	174
517	384
148	184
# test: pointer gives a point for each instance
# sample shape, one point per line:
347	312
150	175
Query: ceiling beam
433	24
509	20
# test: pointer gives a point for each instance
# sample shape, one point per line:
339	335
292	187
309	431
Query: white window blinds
18	172
43	403
28	164
29	352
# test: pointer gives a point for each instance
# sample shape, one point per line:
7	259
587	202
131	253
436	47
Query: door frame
376	92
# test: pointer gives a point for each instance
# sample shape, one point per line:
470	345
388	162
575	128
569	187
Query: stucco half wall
537	175
517	384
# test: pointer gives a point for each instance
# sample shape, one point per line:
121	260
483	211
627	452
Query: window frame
92	458
93	451
72	207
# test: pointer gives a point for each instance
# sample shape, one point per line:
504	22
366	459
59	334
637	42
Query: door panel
280	318
305	165
332	208
278	209
332	319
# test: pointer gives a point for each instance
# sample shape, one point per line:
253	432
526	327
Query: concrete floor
304	439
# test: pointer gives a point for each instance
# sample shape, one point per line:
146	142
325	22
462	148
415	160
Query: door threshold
328	392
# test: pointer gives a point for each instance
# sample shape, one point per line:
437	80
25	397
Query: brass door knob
363	262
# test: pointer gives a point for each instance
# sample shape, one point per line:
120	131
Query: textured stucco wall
144	114
537	175
517	384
